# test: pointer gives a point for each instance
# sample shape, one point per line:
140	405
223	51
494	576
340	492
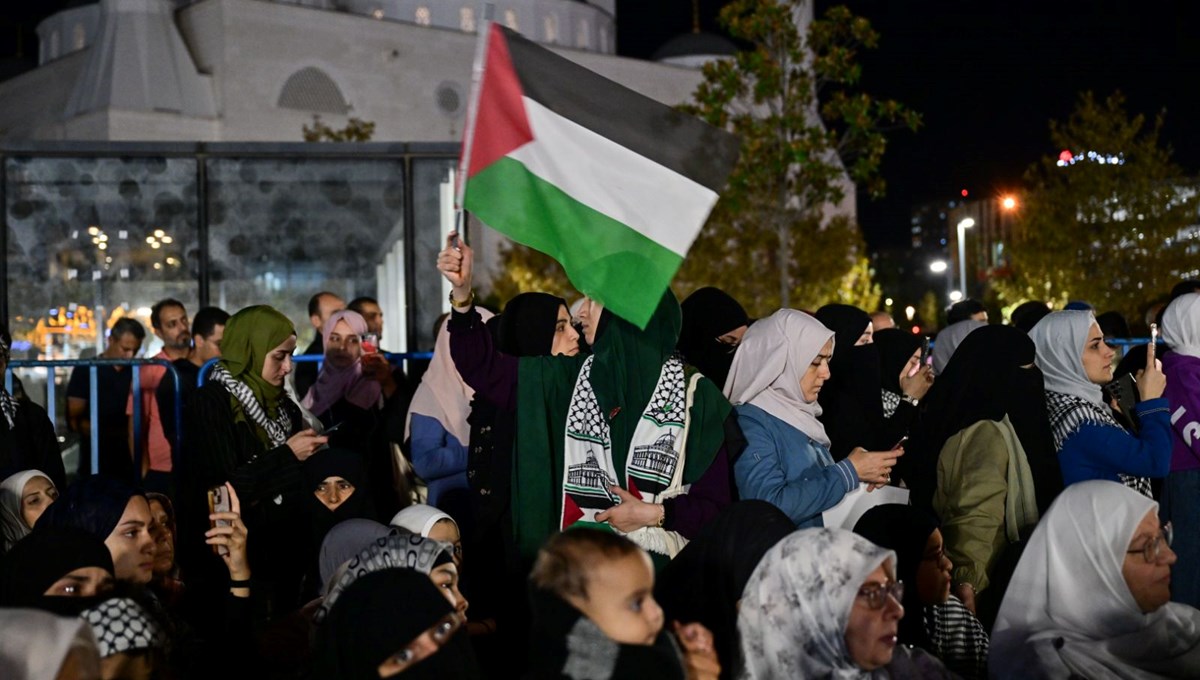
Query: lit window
423	16
78	37
510	19
584	38
466	19
377	13
550	23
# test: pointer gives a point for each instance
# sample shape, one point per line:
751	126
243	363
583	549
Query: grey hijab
1060	338
796	606
772	357
345	540
948	340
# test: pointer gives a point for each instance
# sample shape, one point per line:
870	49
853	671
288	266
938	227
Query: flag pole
485	31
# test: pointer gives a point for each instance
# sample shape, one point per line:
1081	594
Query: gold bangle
462	305
662	517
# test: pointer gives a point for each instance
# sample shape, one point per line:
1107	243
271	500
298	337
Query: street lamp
941	267
962	252
955	296
1009	203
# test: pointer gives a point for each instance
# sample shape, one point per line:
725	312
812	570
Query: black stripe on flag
675	140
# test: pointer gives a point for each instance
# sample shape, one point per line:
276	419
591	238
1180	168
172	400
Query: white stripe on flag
658	202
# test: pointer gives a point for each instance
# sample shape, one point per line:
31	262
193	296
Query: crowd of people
562	494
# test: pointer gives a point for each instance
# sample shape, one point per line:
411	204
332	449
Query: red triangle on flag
633	488
571	512
501	125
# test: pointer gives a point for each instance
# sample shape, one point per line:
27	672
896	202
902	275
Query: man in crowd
320	307
169	321
112	392
208	327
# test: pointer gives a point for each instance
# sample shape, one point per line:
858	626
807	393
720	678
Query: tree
1103	219
807	134
525	270
356	130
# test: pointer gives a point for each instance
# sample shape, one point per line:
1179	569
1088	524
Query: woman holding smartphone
1090	443
242	427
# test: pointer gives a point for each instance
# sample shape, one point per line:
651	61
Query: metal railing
93	366
393	358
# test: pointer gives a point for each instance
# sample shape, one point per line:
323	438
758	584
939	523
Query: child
594	607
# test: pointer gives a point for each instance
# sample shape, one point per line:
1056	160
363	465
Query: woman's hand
632	514
456	262
233	537
1151	383
918	385
376	367
305	443
699	655
874	467
966	593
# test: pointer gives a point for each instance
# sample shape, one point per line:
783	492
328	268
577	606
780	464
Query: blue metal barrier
393	358
93	397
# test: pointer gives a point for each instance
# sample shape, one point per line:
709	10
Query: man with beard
169	321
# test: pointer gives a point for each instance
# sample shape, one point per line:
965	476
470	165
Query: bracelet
912	400
245	583
462	305
662	517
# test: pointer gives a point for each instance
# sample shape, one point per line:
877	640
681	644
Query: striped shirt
958	638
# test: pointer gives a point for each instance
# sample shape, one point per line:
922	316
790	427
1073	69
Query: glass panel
94	239
283	229
431	177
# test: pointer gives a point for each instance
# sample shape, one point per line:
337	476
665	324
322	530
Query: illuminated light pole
941	267
962	253
1009	203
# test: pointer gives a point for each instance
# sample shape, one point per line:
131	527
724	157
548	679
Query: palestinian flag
612	184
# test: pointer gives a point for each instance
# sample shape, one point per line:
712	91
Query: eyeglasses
441	632
876	594
1153	547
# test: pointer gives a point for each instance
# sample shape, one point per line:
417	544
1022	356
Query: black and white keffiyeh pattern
1068	413
400	550
122	625
891	401
9	406
277	430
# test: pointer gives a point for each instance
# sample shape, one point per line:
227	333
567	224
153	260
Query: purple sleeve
708	496
492	374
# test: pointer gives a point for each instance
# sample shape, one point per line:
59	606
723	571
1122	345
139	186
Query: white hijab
772	357
1068	609
796	605
1060	337
419	519
948	340
442	394
35	644
12	520
1181	325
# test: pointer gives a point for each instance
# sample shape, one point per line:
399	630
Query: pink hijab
442	394
334	383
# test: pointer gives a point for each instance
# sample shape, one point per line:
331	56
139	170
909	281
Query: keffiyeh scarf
1068	413
9	406
654	468
277	429
122	625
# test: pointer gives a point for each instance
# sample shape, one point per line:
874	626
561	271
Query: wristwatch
903	397
464	304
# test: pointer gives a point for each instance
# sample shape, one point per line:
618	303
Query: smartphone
370	343
333	428
900	443
1152	350
218	501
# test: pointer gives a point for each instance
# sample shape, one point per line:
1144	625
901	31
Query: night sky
987	76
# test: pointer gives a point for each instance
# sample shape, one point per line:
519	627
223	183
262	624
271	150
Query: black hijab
895	348
378	615
906	530
706	579
348	465
94	504
708	314
851	399
985	381
528	323
43	557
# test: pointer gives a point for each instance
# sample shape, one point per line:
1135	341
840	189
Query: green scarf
250	335
626	370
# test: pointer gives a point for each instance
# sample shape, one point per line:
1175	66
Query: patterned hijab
766	371
796	607
121	625
333	383
394	551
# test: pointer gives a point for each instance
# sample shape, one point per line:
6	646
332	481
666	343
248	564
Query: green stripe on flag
603	257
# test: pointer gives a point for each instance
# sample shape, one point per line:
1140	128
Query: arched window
510	19
54	44
78	37
550	23
311	89
583	38
423	17
466	19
